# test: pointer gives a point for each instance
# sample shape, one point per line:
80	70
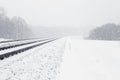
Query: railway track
13	49
13	44
17	40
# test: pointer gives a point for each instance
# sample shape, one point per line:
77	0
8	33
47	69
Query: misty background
58	18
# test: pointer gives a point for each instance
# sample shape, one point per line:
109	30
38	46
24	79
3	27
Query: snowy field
90	60
69	58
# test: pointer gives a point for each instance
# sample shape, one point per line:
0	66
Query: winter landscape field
68	58
59	39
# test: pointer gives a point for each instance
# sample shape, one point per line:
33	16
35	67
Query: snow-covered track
17	43
22	49
17	40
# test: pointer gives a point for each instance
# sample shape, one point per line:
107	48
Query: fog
82	14
64	12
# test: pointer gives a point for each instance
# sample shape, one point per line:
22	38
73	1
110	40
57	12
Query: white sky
73	13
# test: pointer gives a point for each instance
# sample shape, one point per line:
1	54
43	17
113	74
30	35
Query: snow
2	39
17	42
90	60
40	63
20	47
69	58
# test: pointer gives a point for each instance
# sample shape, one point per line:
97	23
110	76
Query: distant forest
15	28
109	31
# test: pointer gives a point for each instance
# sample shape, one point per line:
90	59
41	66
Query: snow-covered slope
90	60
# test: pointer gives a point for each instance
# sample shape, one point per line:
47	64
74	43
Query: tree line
13	28
108	31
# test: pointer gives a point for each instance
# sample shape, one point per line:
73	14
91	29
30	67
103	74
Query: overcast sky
73	13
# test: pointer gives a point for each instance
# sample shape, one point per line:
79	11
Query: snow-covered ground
40	63
90	60
2	39
70	58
